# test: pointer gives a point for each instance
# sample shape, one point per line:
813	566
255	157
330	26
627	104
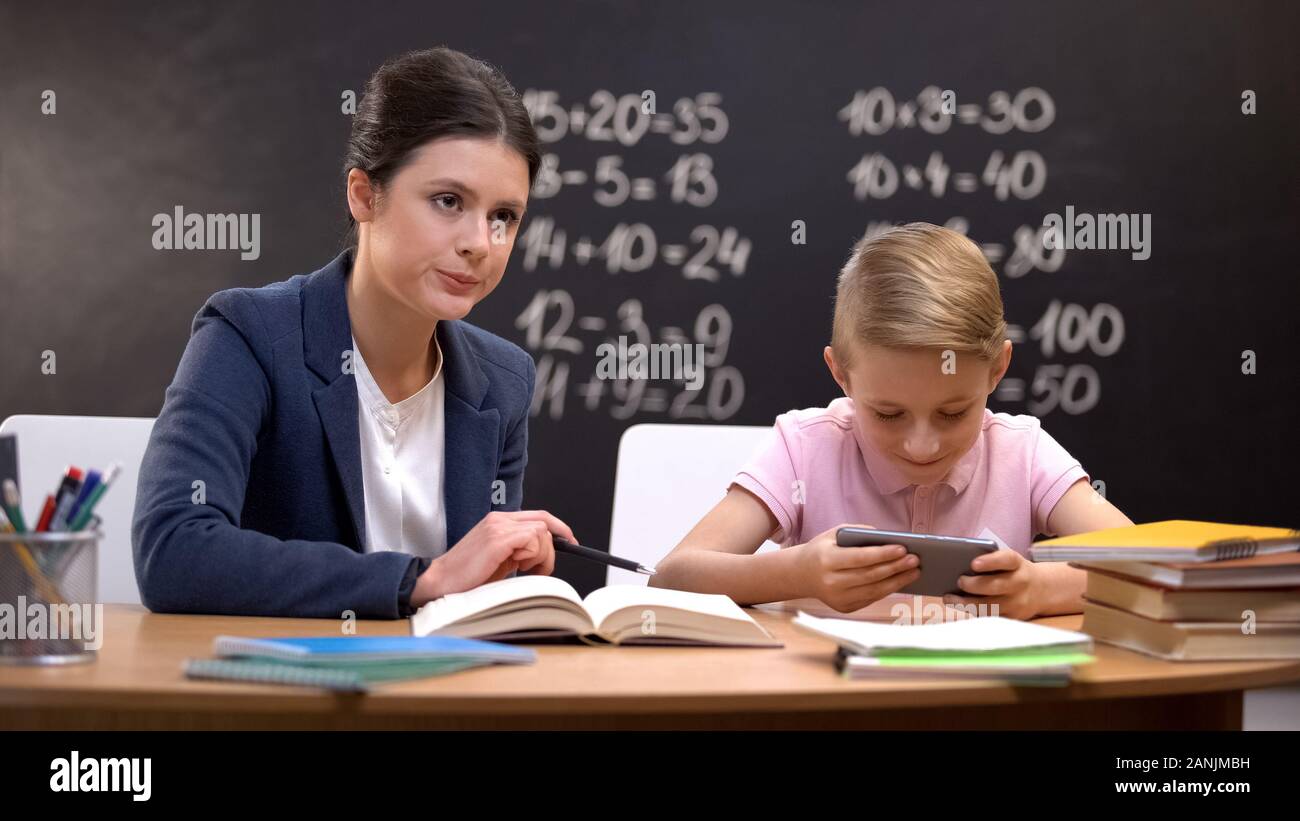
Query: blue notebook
348	663
334	649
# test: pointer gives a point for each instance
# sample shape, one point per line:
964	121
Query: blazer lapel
470	434
327	334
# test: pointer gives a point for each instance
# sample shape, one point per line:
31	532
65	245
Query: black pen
563	545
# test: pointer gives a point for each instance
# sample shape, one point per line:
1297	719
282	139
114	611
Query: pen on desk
563	545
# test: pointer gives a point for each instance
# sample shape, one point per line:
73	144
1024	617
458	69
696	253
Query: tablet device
943	558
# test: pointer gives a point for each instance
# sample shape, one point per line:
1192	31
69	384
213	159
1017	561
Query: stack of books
1189	591
993	648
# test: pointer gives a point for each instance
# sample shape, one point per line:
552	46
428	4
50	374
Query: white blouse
402	449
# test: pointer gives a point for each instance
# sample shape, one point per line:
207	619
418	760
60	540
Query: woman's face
445	224
911	409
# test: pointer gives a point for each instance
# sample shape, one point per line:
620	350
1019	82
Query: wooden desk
136	684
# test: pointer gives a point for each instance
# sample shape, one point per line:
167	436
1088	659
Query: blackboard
838	118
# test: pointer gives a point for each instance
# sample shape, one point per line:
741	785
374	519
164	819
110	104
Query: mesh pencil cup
48	613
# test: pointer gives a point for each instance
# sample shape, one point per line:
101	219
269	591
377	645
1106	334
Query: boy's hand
849	578
1014	586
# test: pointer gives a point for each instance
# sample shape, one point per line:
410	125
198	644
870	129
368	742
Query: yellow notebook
1177	540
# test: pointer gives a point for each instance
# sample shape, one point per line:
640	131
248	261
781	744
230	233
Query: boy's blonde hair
918	286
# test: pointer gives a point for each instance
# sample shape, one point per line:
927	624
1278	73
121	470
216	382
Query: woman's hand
849	578
1014	585
501	543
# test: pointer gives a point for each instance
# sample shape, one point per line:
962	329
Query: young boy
918	344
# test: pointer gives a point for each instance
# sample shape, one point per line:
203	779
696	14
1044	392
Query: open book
529	607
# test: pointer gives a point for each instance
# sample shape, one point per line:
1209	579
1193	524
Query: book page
988	633
601	603
456	607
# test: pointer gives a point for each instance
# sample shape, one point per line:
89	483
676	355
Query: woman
327	438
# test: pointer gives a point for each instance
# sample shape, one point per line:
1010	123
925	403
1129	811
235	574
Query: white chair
666	479
48	444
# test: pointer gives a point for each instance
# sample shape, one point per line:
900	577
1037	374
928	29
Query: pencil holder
48	613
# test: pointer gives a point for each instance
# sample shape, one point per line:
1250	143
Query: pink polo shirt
815	472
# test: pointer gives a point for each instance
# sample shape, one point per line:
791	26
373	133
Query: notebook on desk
536	607
1177	540
990	635
328	650
1014	668
1008	650
347	663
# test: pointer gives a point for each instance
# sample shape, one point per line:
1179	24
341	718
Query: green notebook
1030	669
